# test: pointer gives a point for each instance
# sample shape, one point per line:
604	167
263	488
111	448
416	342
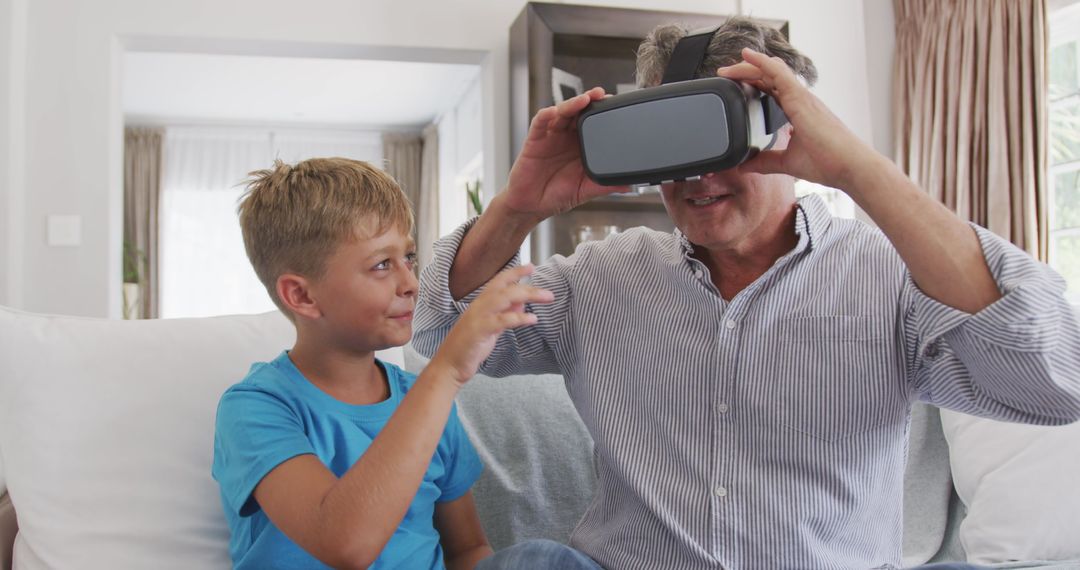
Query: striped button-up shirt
769	431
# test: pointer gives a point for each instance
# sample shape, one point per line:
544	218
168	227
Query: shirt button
722	408
730	324
698	273
720	492
931	352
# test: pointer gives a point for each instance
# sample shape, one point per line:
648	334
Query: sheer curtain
204	269
413	160
142	198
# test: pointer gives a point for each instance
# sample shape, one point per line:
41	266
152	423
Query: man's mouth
402	316
706	200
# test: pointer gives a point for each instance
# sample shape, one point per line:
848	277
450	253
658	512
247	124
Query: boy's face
367	295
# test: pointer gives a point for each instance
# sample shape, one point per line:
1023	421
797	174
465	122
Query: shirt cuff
1030	302
435	279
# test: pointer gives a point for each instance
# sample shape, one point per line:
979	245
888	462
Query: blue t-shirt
275	414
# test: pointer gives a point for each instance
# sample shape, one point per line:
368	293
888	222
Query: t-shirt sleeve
462	463
255	432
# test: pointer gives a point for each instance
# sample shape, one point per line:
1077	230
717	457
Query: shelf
637	202
599	45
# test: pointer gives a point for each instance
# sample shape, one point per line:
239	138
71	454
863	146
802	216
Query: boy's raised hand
499	307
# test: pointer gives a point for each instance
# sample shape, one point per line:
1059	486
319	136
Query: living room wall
59	77
12	19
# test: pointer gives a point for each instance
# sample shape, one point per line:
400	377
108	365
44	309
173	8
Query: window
204	268
1064	155
840	204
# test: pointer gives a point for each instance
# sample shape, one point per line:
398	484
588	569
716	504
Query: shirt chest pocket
834	376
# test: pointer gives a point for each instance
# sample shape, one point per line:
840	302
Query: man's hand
500	307
822	149
548	177
942	252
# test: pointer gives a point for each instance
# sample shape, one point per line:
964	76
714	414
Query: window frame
1064	28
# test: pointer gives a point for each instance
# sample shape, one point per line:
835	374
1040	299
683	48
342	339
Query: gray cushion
8	528
927	488
539	475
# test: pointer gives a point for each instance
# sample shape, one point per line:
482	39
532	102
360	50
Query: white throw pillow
1019	485
106	433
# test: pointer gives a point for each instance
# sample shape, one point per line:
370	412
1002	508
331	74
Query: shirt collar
812	220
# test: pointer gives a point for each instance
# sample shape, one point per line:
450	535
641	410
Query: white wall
830	32
12	122
880	31
73	134
450	210
6	40
852	44
460	142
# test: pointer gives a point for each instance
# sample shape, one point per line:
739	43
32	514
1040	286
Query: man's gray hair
724	49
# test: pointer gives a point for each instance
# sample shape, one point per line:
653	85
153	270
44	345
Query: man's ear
293	291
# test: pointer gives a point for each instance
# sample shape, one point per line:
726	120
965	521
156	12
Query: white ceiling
191	88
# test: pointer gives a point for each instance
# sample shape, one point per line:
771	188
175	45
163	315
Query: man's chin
708	240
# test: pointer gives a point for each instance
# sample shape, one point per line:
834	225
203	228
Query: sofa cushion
106	433
538	467
927	487
1019	485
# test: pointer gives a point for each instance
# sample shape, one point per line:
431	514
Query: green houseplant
135	267
473	191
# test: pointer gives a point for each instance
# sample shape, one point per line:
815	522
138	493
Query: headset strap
687	58
688	55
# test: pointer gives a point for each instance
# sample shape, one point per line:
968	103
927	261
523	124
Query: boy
327	456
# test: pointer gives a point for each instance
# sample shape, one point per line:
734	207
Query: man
748	379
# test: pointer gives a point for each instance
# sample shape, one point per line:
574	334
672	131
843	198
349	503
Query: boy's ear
293	291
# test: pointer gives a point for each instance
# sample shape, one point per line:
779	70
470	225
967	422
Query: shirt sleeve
461	462
1016	360
256	432
537	349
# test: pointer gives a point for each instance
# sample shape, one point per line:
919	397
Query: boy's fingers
514	320
520	295
512	275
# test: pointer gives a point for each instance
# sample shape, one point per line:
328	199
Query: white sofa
106	441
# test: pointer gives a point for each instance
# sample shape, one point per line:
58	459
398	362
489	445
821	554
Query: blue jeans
538	555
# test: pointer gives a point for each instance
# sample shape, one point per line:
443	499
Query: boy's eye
410	261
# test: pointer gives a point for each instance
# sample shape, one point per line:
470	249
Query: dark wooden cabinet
599	45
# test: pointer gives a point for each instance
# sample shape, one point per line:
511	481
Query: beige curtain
970	110
413	160
142	192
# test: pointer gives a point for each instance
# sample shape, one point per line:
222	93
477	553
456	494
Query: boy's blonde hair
293	217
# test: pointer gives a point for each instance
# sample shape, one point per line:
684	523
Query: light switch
64	230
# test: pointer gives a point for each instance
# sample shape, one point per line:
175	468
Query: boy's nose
409	283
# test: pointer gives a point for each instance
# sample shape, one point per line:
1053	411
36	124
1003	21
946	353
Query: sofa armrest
8	528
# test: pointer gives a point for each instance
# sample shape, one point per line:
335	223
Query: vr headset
681	129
